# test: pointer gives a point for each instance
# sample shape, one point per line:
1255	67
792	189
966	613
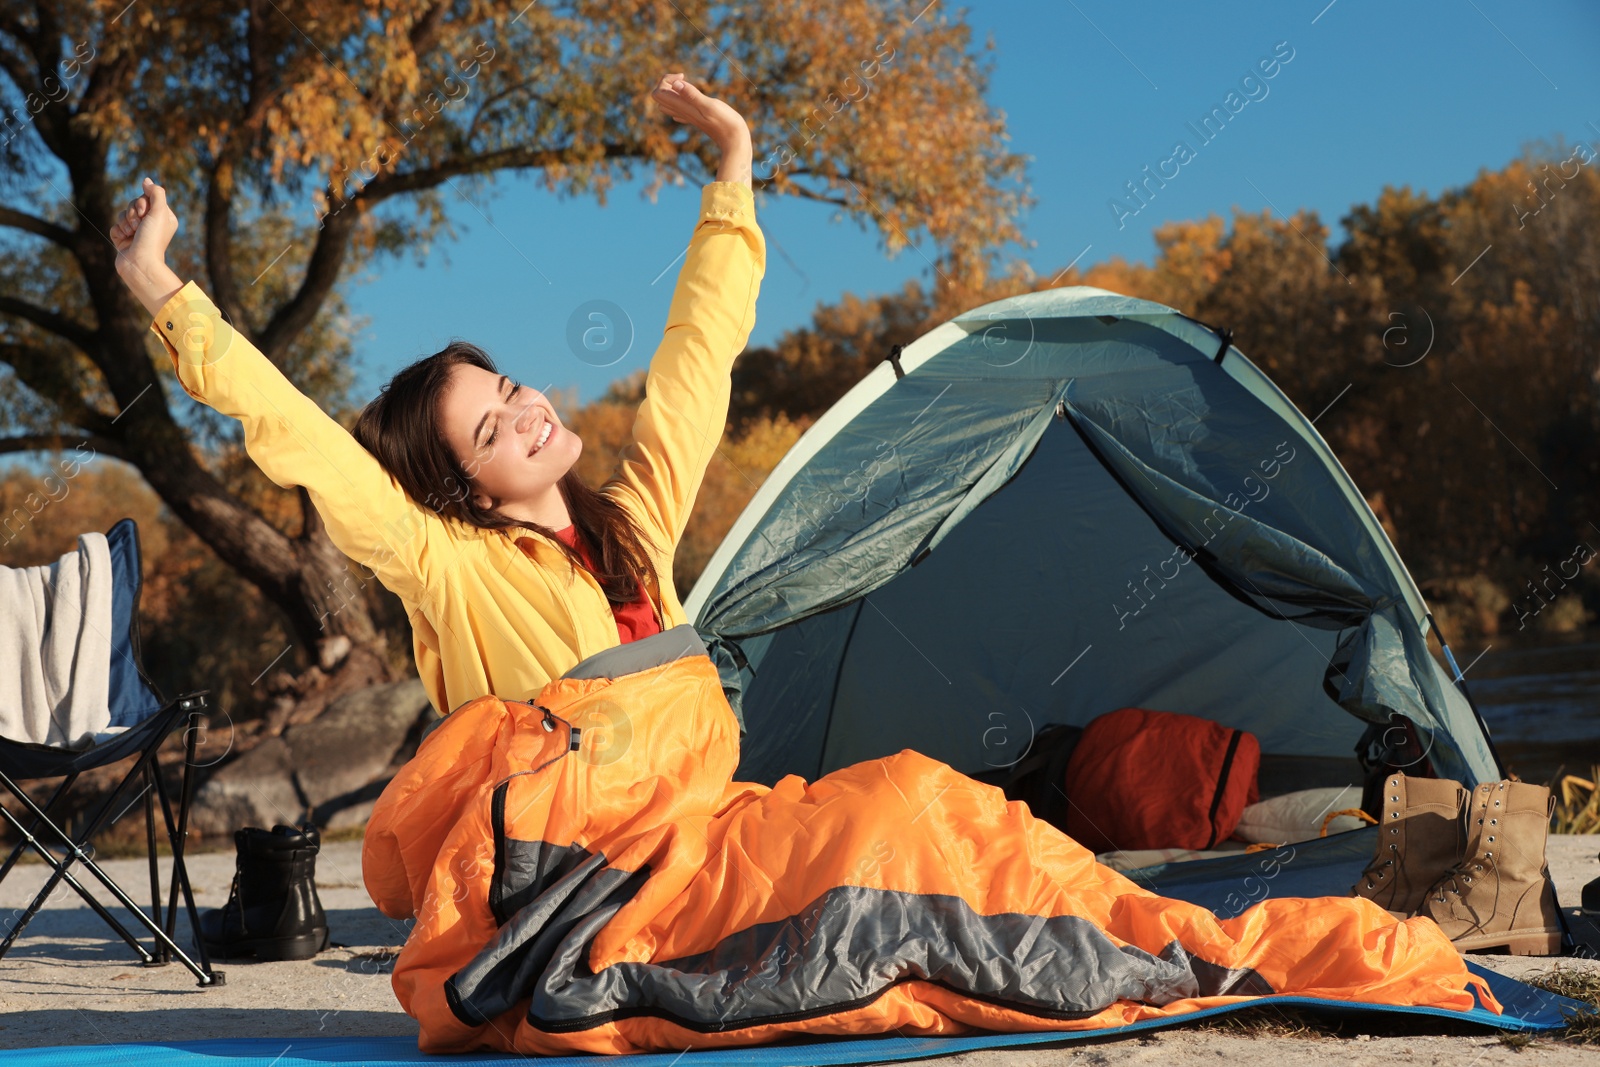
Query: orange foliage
1447	350
734	474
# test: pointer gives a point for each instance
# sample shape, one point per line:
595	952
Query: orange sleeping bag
586	876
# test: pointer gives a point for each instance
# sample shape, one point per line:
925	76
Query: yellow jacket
500	612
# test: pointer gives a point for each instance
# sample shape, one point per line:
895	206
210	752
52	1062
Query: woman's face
497	429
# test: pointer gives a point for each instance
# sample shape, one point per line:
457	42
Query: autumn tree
807	369
1447	349
1498	281
301	142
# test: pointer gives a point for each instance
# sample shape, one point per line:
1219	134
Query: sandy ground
68	980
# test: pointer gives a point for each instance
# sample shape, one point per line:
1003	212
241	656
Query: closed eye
515	389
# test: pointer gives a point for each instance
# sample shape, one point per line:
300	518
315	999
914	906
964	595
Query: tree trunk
325	598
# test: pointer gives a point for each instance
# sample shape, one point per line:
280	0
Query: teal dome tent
1058	505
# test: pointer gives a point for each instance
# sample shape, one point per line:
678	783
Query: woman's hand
141	235
144	230
715	118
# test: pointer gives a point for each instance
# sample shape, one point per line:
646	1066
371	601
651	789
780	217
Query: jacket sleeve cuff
728	202
169	323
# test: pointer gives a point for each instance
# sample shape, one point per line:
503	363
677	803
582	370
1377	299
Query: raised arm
688	387
294	442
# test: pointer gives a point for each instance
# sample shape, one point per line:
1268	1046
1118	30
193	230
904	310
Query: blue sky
1425	94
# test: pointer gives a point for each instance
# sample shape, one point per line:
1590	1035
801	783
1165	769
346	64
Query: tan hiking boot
1499	897
1419	838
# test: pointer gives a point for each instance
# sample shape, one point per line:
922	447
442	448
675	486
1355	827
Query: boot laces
236	901
1448	889
1375	871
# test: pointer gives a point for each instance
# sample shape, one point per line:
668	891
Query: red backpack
1159	779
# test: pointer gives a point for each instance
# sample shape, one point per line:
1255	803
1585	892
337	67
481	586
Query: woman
456	490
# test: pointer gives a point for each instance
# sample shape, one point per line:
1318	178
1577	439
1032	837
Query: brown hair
401	428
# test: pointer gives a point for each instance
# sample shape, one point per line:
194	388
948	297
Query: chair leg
59	867
77	854
22	845
150	850
198	723
59	874
177	835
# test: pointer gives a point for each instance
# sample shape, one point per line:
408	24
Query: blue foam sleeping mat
1318	868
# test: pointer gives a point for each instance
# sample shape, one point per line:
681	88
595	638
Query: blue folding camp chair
137	705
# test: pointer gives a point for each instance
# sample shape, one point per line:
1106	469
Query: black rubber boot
1591	897
272	911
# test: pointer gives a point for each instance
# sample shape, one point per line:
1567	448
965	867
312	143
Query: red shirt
634	620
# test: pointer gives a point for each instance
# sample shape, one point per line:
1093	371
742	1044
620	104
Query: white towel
55	649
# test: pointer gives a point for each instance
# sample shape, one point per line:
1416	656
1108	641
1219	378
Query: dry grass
1577	804
348	833
1273	1020
1281	1020
1582	985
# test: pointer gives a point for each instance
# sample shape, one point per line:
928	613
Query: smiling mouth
548	432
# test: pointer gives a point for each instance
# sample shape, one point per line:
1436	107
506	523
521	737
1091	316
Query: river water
1540	695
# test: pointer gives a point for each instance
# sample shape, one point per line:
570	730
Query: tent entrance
1056	600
